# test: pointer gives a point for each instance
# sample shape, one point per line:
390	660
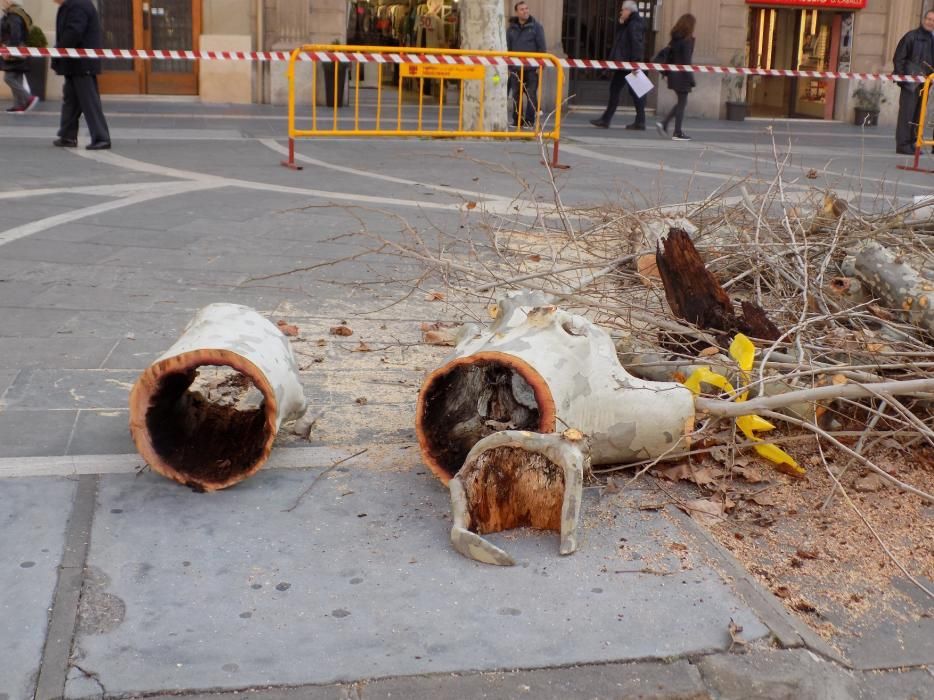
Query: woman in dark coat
680	51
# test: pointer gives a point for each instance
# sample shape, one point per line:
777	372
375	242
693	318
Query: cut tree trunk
205	413
542	369
518	479
897	284
483	27
695	295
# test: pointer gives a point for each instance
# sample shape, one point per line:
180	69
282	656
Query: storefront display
797	35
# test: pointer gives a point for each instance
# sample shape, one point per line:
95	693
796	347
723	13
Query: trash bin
329	92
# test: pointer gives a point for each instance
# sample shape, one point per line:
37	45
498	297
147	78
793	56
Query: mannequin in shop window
429	33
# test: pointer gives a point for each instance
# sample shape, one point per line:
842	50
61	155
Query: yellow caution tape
743	351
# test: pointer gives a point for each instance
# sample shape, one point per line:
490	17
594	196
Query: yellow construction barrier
920	141
437	68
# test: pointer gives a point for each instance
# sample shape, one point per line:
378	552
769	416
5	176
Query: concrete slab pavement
105	258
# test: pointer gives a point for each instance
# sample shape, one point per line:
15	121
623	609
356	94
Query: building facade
858	35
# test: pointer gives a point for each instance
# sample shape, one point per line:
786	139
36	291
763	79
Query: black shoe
65	143
905	151
98	146
635	127
600	123
681	136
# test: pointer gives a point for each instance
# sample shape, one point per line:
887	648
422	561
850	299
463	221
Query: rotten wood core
208	424
695	295
508	487
463	405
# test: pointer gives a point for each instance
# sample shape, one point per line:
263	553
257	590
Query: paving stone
33	516
773	674
61	351
15	323
35	433
57	389
361	574
916	684
41	250
102	432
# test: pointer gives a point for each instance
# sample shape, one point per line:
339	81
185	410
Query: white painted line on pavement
468	194
93	190
108	157
282	458
33	227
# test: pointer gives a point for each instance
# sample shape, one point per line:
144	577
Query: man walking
914	55
78	26
628	45
524	34
14	31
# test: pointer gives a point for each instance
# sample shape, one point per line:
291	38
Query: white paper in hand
639	83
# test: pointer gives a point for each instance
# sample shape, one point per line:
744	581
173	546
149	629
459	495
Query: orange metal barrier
418	68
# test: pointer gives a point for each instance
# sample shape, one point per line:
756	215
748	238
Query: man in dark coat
914	55
78	26
527	35
628	45
14	31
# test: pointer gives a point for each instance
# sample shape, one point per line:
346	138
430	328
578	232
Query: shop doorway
792	40
150	25
587	31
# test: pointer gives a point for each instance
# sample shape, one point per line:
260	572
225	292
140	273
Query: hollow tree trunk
483	27
542	369
206	412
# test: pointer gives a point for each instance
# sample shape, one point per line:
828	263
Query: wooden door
151	25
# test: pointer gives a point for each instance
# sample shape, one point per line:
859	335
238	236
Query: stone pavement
123	584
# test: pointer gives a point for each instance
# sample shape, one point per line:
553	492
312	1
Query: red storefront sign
814	4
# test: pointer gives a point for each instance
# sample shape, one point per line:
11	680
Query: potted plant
735	91
867	97
38	72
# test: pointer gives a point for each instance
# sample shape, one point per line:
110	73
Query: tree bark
899	285
695	295
483	27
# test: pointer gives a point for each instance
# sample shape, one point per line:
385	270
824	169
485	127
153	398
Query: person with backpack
628	45
14	31
679	51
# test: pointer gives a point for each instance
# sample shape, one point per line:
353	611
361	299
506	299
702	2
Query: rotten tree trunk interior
208	424
470	402
695	295
508	487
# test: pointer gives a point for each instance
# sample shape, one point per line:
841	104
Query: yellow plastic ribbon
743	351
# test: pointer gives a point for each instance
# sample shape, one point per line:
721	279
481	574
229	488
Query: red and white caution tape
388	57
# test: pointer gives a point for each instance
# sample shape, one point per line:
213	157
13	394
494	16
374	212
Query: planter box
866	117
736	111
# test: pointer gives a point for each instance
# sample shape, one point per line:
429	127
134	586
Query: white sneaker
33	101
660	128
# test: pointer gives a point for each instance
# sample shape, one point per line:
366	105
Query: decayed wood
518	479
695	295
207	411
898	284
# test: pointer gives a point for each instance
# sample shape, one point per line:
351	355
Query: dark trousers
677	112
80	96
909	108
529	92
616	89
